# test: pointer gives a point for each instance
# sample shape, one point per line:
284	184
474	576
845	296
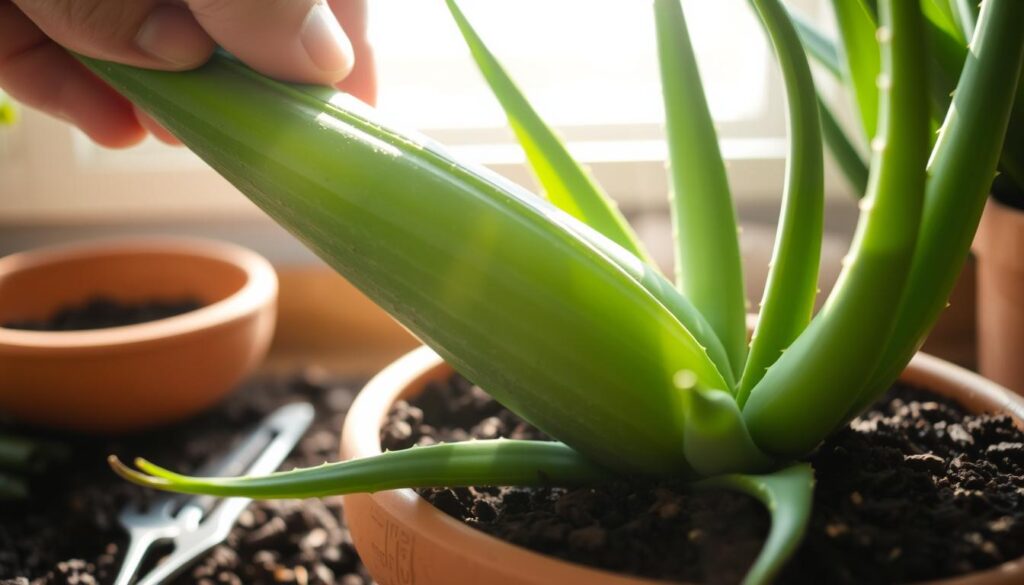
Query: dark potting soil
913	489
101	312
68	533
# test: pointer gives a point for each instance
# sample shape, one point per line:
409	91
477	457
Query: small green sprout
556	304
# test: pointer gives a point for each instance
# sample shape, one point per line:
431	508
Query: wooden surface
324	320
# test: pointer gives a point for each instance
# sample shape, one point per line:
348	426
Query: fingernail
171	34
325	42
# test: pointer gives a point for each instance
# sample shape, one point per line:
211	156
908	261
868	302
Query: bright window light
580	62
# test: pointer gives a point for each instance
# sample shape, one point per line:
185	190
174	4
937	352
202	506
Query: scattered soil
68	532
914	489
102	312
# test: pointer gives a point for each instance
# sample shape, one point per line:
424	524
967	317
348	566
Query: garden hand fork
197	524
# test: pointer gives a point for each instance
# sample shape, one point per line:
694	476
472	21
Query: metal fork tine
288	423
262	451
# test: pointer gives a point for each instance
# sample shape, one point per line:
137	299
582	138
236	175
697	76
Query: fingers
66	90
293	40
362	80
144	33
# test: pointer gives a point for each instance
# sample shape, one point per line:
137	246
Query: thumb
144	33
293	40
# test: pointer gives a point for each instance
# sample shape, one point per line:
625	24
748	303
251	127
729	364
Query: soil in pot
68	533
101	312
914	489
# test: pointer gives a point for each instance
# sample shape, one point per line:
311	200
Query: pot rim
259	288
361	438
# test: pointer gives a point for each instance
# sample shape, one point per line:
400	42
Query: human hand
292	40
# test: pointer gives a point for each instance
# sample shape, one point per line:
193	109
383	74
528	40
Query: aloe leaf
942	14
961	169
850	162
717	440
566	183
817	44
792	281
569	187
708	267
861	58
495	279
823	50
496	462
965	14
947	60
662	290
788	495
807	392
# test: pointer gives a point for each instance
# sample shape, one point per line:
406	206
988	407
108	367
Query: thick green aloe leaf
942	14
495	279
846	155
788	495
570	187
860	53
493	463
808	391
961	169
792	283
965	14
819	46
708	267
565	183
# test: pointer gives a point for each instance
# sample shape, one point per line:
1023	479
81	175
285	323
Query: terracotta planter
999	246
404	540
135	376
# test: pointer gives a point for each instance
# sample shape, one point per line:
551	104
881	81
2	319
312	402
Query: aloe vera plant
552	306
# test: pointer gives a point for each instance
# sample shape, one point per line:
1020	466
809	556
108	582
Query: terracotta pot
954	337
999	246
404	540
135	376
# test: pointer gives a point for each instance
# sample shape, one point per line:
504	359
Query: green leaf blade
498	462
788	494
961	169
818	45
708	265
565	183
861	58
805	395
850	162
793	277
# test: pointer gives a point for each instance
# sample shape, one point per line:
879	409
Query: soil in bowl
101	312
914	489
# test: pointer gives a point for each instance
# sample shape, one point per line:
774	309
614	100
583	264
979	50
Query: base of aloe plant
404	539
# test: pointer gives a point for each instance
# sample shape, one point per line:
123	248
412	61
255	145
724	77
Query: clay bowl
402	538
135	376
